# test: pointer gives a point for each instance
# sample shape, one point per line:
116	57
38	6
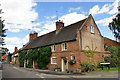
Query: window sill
64	50
53	63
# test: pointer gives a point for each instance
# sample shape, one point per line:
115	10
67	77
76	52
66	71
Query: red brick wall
33	35
72	50
110	42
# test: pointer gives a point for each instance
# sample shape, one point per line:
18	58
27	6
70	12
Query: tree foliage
114	58
114	26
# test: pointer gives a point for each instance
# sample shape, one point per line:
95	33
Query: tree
114	26
114	58
2	30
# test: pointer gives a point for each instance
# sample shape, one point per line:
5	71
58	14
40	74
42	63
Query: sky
25	16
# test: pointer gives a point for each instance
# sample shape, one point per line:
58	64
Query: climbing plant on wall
40	55
89	52
43	57
22	57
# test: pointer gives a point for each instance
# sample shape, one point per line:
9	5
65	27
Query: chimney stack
59	25
33	35
15	49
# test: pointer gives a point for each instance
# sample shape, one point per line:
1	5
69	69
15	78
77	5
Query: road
10	71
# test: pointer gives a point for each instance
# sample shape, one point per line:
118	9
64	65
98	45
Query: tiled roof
66	34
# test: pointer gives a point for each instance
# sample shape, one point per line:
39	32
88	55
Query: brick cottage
68	42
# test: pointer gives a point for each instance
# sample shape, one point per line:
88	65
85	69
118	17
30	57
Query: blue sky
25	16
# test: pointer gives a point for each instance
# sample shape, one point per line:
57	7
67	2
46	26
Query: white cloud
12	42
72	18
107	8
73	9
67	19
104	9
94	10
105	21
15	41
114	6
18	14
49	17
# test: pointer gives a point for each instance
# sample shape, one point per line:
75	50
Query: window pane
92	29
53	48
64	46
54	60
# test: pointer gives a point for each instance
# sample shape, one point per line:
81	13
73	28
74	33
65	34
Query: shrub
86	67
69	71
114	57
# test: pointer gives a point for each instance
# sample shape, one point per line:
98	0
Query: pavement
0	71
12	71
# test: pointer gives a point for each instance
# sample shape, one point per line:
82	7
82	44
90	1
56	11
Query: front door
64	64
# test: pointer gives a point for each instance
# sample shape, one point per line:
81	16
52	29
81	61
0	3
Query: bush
69	71
114	57
86	67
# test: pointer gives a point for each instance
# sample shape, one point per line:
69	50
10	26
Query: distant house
15	56
4	58
68	42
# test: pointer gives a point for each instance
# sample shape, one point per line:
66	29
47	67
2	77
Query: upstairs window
64	46
53	48
92	29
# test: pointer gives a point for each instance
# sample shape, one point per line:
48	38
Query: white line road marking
16	68
39	75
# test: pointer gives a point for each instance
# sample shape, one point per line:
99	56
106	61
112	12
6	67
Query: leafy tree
114	57
114	26
2	30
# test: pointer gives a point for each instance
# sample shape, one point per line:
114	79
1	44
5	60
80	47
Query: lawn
106	69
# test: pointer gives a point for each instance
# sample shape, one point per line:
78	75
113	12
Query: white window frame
53	48
52	60
63	47
92	30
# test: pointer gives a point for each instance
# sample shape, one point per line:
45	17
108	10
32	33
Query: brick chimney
59	25
33	35
15	49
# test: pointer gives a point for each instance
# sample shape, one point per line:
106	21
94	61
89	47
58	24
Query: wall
110	42
72	50
93	40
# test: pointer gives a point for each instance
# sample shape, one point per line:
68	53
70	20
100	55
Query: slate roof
66	34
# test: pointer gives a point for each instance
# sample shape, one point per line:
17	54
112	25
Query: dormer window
53	48
92	29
